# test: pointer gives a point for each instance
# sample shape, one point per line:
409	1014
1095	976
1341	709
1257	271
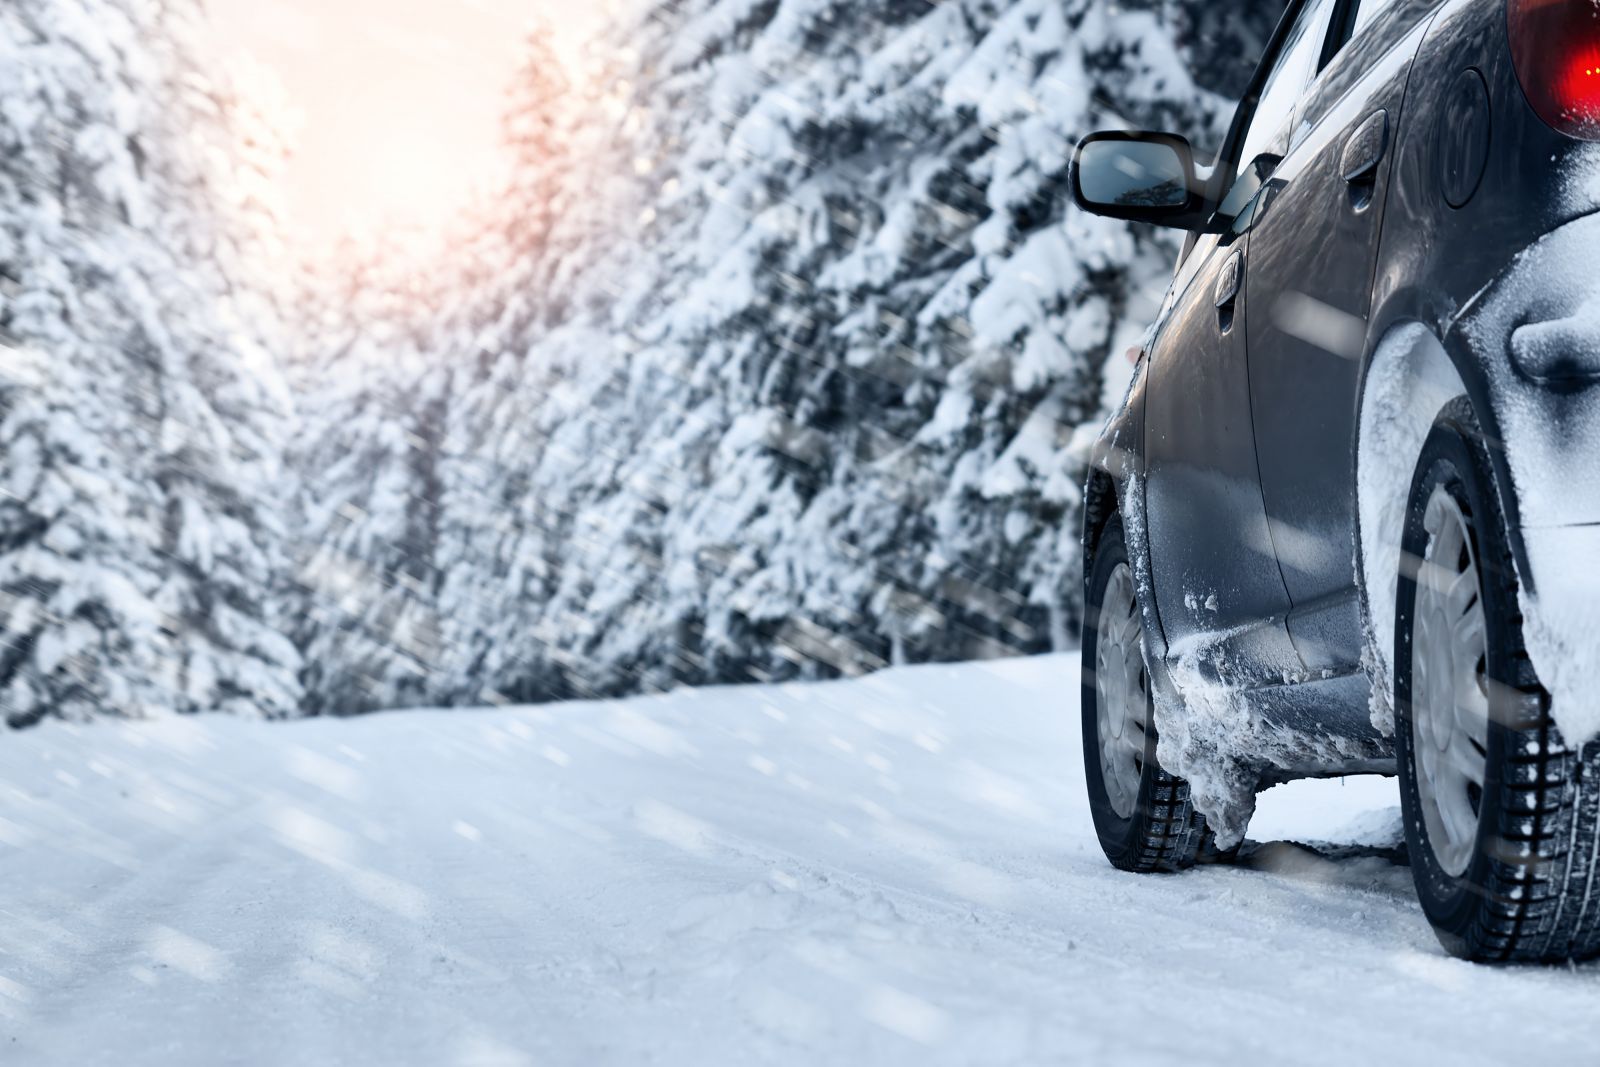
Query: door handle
1363	153
1229	284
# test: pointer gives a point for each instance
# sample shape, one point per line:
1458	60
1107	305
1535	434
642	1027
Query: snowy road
895	870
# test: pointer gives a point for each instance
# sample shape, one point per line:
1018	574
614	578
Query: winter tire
1502	819
1143	815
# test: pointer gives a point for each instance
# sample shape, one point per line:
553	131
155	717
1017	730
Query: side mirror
1141	177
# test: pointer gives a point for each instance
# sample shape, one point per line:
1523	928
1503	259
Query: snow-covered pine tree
534	132
367	467
140	488
407	598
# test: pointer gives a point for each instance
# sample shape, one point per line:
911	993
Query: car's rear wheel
1502	818
1142	815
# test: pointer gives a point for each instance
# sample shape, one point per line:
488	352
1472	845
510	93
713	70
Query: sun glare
394	105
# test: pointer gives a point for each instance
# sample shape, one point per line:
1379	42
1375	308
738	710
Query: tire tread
1540	901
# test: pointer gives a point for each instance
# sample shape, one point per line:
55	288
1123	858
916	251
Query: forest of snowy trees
775	357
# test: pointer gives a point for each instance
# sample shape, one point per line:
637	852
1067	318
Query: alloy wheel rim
1449	685
1121	692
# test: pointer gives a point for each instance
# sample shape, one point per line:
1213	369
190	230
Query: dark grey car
1348	519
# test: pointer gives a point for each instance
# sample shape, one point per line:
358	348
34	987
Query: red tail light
1556	45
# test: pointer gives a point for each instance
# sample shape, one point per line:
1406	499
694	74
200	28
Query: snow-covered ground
899	869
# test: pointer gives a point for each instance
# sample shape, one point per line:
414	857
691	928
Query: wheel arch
1412	375
1115	486
1100	503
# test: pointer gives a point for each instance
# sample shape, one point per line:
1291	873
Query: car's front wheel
1502	818
1143	816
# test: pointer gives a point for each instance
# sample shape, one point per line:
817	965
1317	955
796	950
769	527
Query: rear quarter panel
1472	280
1437	262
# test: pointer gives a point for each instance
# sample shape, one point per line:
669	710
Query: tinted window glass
1367	11
1288	79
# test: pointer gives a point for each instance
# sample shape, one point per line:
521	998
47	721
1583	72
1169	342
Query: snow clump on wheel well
1409	381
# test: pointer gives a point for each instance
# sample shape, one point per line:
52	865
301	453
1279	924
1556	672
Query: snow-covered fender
1116	486
1525	351
1538	328
1493	298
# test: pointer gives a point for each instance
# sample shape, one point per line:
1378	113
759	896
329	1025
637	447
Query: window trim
1341	31
1227	163
1225	167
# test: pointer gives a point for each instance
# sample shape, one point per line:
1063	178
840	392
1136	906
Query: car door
1217	582
1313	249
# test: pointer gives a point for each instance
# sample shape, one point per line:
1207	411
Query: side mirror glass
1142	177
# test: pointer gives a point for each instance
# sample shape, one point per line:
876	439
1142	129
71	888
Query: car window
1366	12
1288	80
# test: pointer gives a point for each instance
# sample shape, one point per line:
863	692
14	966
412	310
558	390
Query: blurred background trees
775	354
144	548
